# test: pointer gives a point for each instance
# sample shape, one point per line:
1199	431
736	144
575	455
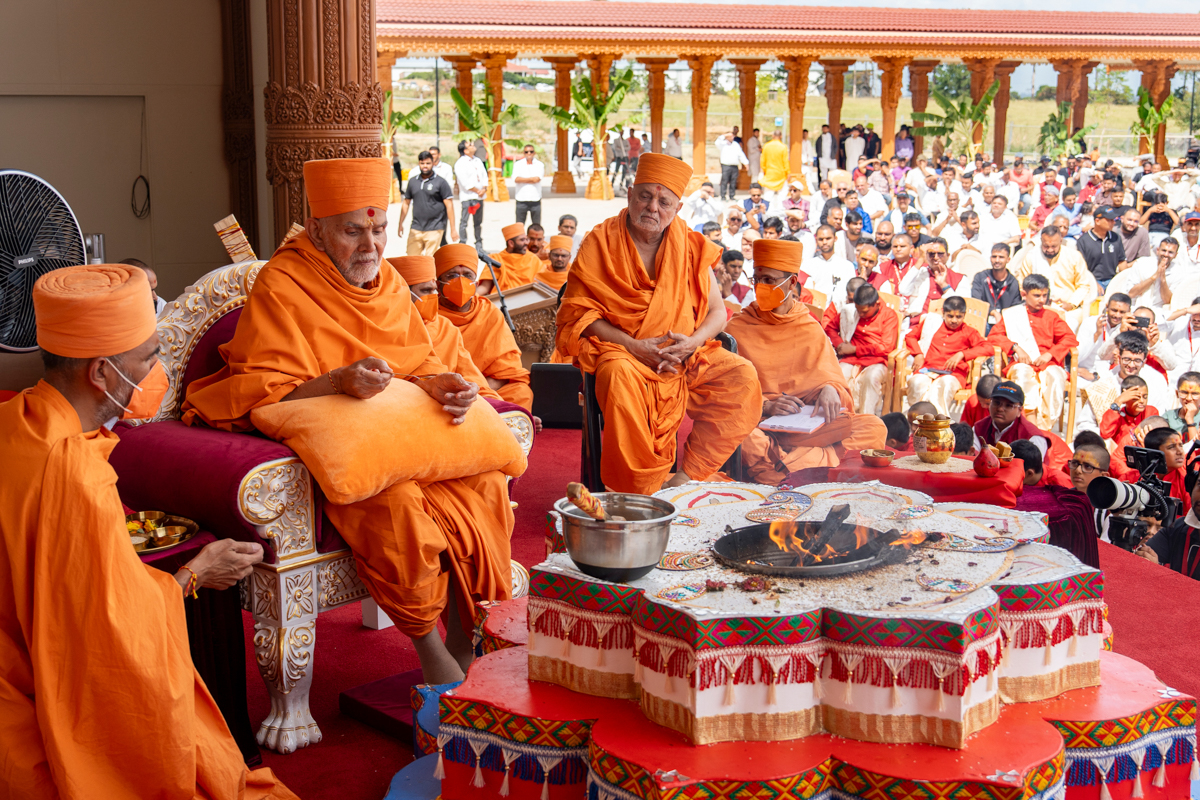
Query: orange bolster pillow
357	448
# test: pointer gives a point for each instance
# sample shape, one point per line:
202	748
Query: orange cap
339	185
778	254
93	310
665	170
560	242
513	231
414	269
450	256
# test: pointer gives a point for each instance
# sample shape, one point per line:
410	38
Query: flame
910	538
789	537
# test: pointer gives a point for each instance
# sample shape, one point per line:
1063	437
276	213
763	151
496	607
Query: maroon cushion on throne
206	357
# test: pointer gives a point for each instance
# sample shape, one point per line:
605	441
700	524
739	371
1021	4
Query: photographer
1178	545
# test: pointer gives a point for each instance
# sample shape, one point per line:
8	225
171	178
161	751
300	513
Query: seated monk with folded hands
329	316
98	693
640	311
797	367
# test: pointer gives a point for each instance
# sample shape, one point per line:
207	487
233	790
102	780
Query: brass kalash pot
933	441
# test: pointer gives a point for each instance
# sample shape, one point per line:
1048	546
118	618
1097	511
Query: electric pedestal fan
38	233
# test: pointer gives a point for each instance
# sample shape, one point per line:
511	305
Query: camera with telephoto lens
1129	502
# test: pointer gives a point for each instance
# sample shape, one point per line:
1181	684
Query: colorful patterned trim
557	767
1124	762
612	598
1178	715
616	779
727	632
475	716
555	543
1055	594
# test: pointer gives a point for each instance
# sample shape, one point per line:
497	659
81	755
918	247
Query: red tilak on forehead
370	212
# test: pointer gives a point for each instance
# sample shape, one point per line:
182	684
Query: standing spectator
396	167
619	165
1135	237
754	154
731	157
1102	248
432	202
472	178
871	141
441	168
826	152
674	144
904	144
527	174
855	146
635	150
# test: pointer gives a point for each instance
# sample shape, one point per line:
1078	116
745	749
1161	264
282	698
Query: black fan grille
34	221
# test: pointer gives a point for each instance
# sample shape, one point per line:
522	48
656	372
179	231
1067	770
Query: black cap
1007	390
1107	212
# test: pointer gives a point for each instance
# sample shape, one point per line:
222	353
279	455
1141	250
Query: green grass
1025	118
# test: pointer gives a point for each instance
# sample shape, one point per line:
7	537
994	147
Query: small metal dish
877	458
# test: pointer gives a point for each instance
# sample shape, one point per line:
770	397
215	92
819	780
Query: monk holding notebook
640	311
331	357
98	694
798	369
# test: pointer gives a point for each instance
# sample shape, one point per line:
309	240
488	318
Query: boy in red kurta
1133	411
976	407
947	346
863	358
1035	341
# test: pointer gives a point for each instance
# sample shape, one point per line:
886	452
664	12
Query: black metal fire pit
751	549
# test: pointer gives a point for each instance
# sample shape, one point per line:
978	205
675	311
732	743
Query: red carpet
1152	610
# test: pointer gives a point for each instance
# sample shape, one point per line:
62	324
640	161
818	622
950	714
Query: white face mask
121	405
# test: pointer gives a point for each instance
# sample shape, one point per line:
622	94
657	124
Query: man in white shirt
854	145
1156	278
731	157
826	268
950	183
472	179
704	205
1092	343
674	144
872	202
903	206
441	168
933	202
998	224
527	174
754	154
731	234
1184	338
1188	236
827	151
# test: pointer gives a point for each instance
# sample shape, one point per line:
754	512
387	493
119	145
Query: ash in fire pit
833	546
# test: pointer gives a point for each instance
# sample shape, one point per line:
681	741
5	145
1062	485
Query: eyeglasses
1132	362
1082	466
529	152
938	256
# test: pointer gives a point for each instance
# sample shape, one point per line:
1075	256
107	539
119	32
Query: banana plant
590	111
960	120
480	122
394	121
1056	139
1150	118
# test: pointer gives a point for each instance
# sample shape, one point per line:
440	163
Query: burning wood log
832	525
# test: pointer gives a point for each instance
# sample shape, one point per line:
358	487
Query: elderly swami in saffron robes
797	367
640	311
98	695
328	315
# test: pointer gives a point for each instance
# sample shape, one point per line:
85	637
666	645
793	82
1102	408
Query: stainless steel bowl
618	551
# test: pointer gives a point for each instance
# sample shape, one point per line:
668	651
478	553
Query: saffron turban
450	256
93	310
414	269
559	242
513	231
665	170
340	185
778	254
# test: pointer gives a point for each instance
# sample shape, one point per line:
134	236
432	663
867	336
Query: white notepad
806	421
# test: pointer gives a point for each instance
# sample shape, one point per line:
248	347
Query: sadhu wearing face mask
329	315
797	367
640	311
484	331
419	273
98	694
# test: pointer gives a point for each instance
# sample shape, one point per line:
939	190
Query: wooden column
1004	71
563	182
747	69
494	63
463	65
657	97
1156	78
701	66
835	86
599	187
797	92
891	86
322	96
918	87
1079	117
983	75
384	61
1068	70
237	116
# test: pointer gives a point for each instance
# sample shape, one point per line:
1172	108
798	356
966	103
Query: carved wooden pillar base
563	182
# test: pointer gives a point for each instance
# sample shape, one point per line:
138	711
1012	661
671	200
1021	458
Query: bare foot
438	666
